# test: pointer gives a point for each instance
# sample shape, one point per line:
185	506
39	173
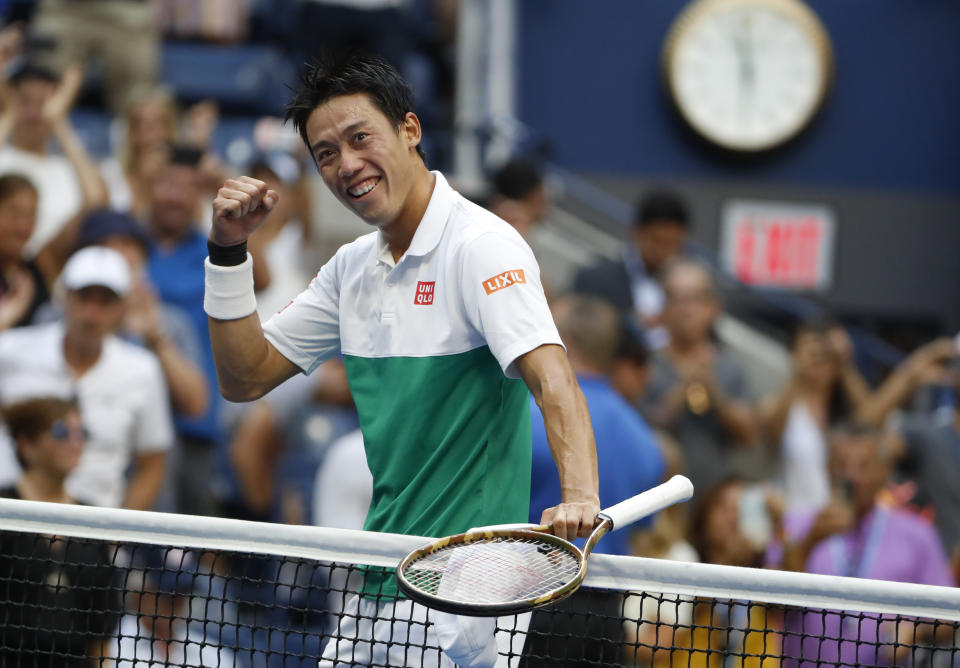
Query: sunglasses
61	431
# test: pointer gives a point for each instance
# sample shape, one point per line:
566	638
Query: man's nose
350	162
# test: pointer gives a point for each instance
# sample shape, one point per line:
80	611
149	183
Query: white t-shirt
806	480
344	485
123	401
57	185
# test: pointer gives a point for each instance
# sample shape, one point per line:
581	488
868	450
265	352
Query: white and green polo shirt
429	344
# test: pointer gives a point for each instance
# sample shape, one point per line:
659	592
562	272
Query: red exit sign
778	245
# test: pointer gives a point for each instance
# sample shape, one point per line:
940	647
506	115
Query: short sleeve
307	330
504	299
154	429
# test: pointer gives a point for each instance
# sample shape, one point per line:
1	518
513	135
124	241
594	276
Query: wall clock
747	75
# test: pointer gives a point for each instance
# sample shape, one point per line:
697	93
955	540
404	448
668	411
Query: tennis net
82	586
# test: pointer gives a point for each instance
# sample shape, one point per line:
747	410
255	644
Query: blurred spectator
629	461
218	21
715	530
279	245
265	432
175	269
119	386
66	625
374	26
23	289
634	283
697	390
163	330
630	370
929	463
858	537
158	629
824	388
344	485
35	110
121	34
519	196
149	126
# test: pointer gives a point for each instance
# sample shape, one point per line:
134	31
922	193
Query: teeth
363	188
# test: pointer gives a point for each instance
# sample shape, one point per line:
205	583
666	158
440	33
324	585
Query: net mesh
71	601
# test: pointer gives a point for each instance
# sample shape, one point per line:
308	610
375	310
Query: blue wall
589	81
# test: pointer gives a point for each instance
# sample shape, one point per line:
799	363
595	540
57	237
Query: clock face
747	74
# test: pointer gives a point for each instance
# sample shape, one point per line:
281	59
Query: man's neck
80	354
399	233
37	485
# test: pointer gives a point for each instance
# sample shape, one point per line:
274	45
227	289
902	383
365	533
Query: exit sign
778	245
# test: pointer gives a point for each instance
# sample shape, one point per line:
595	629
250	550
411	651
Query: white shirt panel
307	331
378	310
123	401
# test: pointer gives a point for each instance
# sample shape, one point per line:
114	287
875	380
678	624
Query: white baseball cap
97	265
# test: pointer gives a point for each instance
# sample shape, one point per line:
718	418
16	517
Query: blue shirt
177	274
628	459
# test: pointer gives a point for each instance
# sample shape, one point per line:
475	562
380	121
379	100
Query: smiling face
367	163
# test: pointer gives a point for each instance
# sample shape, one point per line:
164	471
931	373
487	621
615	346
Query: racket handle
678	488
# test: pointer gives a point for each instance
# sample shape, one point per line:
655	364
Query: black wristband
227	256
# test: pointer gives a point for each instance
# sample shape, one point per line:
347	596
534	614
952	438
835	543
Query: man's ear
410	129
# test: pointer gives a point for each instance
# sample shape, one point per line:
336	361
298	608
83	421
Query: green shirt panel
447	440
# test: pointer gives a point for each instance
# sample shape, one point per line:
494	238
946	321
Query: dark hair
339	73
661	206
633	342
102	223
11	184
839	405
697	529
30	418
31	71
517	179
185	154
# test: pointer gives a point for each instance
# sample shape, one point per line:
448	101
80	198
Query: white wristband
228	292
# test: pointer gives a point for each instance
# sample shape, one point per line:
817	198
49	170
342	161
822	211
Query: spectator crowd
109	393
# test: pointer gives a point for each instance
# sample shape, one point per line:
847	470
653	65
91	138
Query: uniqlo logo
504	280
424	296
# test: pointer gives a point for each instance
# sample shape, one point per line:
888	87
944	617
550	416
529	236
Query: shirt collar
431	226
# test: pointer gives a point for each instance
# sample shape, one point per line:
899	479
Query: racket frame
489	534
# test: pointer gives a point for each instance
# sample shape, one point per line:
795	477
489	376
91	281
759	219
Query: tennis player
439	315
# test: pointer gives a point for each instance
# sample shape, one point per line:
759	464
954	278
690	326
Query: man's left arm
548	375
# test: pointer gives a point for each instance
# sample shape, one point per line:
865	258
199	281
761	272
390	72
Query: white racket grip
677	489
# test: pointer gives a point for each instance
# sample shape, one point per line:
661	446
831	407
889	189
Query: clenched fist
241	206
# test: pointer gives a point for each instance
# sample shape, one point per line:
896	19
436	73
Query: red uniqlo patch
424	296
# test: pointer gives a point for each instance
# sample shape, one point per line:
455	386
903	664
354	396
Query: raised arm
248	366
548	375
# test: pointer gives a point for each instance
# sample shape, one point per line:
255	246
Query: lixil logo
424	296
501	281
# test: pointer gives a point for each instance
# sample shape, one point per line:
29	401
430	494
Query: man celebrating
437	314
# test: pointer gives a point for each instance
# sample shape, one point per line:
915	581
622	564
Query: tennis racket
509	569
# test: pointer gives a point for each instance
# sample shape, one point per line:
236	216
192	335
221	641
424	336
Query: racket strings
494	570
